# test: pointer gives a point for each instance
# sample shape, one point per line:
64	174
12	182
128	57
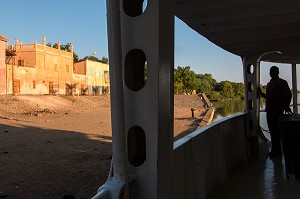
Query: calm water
227	108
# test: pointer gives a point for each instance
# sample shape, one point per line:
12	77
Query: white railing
203	159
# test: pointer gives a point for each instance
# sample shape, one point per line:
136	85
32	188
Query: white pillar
141	98
251	83
294	86
148	38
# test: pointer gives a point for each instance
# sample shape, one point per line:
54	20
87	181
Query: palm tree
95	89
84	90
71	88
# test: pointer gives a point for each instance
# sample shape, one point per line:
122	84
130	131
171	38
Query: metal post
251	83
148	39
294	85
116	187
141	50
117	96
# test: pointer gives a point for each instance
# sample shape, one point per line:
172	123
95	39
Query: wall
3	41
79	67
82	83
98	75
40	69
203	159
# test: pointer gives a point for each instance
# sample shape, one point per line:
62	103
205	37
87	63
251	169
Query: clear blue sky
83	23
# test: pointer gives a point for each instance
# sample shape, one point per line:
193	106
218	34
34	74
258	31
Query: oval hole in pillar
250	69
250	104
135	69
250	87
134	8
136	146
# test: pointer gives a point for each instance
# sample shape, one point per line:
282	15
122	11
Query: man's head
274	72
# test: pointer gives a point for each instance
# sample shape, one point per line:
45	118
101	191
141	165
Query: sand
52	146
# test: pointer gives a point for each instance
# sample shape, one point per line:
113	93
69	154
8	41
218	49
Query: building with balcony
38	69
94	74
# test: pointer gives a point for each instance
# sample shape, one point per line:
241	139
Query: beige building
3	42
39	69
96	76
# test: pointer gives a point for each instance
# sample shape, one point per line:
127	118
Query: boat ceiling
247	27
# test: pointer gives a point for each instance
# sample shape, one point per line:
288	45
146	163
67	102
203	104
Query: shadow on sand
46	163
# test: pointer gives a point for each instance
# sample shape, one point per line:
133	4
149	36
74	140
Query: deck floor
263	178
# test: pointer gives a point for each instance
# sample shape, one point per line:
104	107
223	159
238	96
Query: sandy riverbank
51	146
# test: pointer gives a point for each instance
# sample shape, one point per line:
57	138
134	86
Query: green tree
104	60
185	80
225	88
96	89
71	88
84	90
93	58
238	89
206	83
214	96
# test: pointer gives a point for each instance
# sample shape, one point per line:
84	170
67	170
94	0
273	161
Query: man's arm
260	93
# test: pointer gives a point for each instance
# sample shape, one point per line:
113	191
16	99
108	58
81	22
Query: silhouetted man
278	97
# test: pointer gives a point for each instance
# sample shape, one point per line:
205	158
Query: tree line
186	81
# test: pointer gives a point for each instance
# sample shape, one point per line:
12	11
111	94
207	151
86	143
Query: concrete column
141	51
148	39
294	86
252	81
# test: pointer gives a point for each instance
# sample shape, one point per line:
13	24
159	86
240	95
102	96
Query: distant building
3	42
39	69
96	76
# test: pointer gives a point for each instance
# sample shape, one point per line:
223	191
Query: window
55	67
33	84
106	76
91	73
67	68
99	74
21	62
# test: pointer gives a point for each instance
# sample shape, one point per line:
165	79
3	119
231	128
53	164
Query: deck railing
204	158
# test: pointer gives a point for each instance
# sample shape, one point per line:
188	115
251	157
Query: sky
83	23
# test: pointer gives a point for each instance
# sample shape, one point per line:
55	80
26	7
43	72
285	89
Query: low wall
204	158
205	100
207	119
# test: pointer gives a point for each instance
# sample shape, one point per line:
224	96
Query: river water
230	107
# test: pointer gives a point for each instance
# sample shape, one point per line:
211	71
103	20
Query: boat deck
262	178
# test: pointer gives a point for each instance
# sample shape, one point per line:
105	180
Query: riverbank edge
209	113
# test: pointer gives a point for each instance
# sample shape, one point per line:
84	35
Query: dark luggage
290	133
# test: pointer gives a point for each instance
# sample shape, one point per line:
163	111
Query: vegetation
93	58
84	90
71	88
96	89
186	81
